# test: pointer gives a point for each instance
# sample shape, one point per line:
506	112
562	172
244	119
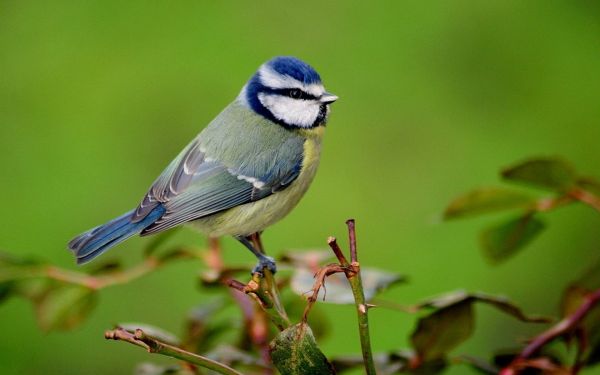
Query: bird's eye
295	94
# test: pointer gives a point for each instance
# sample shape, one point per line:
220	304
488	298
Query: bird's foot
265	262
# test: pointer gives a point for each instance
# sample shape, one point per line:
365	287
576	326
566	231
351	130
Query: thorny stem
153	345
352	272
566	325
361	305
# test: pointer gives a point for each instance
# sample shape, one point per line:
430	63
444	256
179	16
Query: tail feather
96	241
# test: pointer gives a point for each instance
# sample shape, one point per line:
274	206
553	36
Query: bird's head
289	92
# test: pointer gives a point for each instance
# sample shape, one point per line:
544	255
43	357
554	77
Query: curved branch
152	345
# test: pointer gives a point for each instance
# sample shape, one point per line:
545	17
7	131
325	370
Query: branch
153	345
96	282
352	272
566	325
586	197
261	289
361	305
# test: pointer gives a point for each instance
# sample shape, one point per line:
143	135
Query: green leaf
205	324
499	302
452	321
550	173
318	320
64	308
502	241
485	200
478	364
395	362
443	330
233	356
337	289
294	351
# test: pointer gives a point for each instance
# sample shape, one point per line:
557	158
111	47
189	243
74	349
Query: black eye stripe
290	93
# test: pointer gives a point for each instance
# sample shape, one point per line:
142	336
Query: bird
246	170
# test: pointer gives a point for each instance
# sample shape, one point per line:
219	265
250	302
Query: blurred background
96	97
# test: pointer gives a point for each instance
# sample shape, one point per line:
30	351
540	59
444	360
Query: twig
352	240
152	345
255	320
332	242
151	263
361	304
320	277
263	288
352	272
586	197
566	325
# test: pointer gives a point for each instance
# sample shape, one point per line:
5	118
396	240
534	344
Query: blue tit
245	171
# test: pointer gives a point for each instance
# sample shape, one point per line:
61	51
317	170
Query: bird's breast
256	216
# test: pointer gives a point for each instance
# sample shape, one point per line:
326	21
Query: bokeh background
96	97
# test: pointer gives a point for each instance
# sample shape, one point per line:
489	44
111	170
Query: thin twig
263	288
255	319
332	242
96	282
361	304
320	277
352	240
152	345
566	325
586	197
352	272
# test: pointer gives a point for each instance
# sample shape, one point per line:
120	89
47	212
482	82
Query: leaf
452	322
203	325
502	241
233	356
318	320
550	173
506	306
294	351
499	302
401	361
64	308
155	332
337	289
478	364
443	330
485	200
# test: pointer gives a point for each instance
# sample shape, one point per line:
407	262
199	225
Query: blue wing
196	186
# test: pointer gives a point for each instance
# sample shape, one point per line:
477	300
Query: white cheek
302	113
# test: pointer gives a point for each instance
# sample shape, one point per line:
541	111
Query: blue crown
295	68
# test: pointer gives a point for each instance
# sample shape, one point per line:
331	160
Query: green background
96	97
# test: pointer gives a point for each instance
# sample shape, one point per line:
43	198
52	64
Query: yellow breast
256	216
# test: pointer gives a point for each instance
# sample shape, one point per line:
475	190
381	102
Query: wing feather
209	177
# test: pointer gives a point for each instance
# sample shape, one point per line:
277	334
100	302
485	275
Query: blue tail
94	242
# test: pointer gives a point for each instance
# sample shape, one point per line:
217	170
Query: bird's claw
265	262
